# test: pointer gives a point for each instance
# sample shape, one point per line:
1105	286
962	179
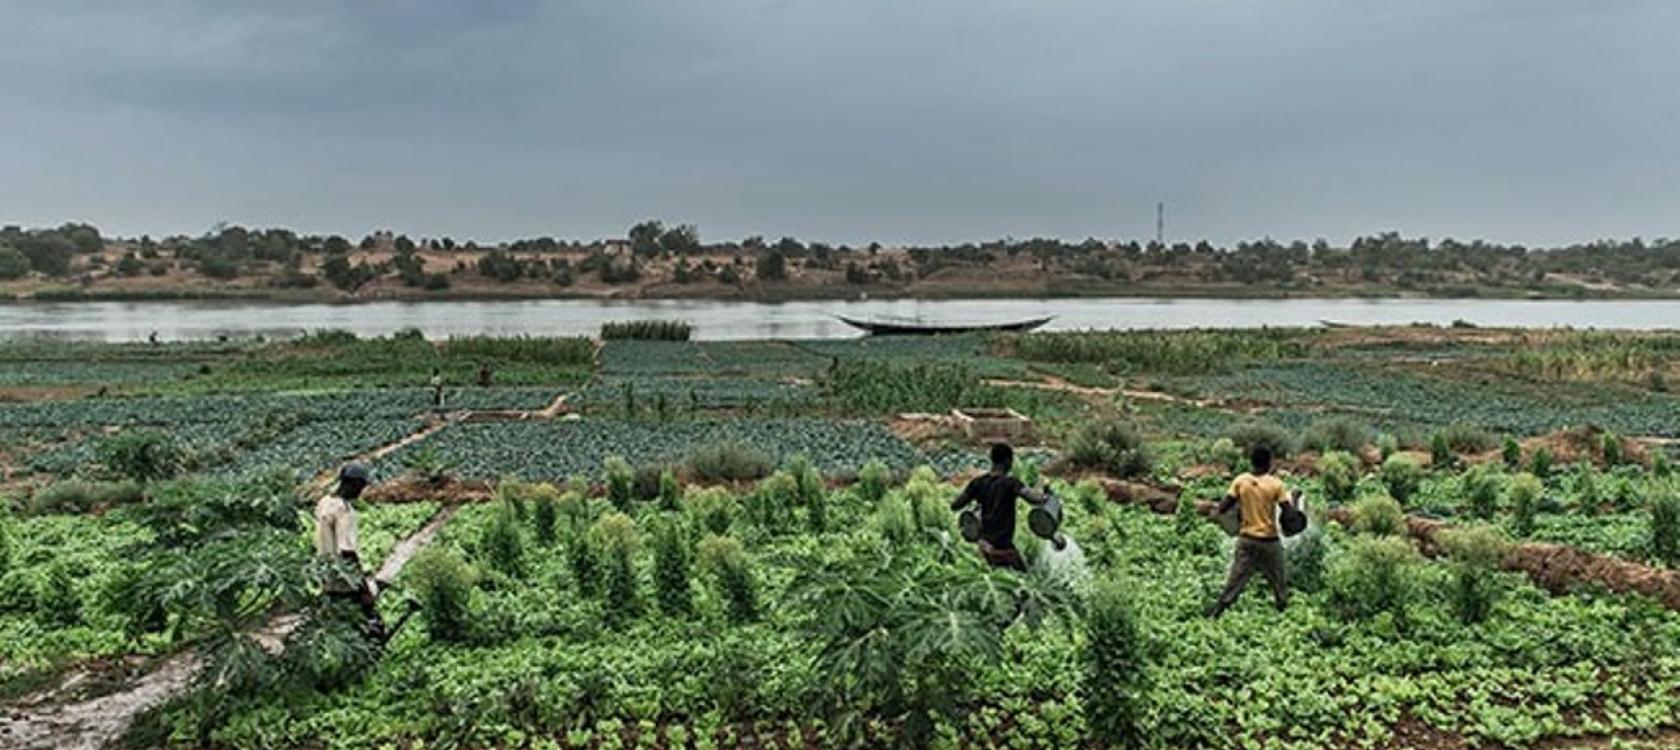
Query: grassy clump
647	330
1255	433
1110	445
728	462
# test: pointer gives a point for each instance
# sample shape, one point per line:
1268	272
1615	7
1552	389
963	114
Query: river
715	319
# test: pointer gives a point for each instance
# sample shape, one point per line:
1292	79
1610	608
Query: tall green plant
500	541
1116	673
1481	486
671	569
1338	472
873	480
617	538
443	583
1476	553
1665	523
1374	575
1523	495
726	560
1402	476
621	482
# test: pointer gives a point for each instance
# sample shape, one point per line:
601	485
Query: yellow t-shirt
1257	501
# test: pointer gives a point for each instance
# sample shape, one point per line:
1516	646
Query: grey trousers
1254	554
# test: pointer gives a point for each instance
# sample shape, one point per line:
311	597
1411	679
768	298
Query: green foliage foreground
880	630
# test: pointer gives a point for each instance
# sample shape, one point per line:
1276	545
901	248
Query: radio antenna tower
1160	223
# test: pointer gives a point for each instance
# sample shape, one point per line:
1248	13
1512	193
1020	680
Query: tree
772	266
13	263
644	237
680	240
48	253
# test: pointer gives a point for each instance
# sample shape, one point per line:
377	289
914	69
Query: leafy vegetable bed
556	450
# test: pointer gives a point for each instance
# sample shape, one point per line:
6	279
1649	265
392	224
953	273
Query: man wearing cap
1257	495
996	492
335	541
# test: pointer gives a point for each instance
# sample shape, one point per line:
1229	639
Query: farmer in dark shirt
996	492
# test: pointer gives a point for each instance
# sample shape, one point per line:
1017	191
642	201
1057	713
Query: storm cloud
1537	121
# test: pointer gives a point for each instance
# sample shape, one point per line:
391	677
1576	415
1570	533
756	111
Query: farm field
678	544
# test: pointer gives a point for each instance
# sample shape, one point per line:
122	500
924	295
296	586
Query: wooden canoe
917	328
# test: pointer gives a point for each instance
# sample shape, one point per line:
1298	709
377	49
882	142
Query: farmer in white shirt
335	541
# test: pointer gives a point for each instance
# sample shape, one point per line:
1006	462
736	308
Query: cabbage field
694	544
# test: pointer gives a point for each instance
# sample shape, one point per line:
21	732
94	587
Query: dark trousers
372	623
1265	555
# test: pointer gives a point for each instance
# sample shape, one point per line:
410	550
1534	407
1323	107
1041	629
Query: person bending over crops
335	542
1258	495
996	492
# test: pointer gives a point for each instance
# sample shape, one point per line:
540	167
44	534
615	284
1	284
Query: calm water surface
130	321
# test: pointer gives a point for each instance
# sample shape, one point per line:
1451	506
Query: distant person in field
335	541
485	376
437	388
1258	495
996	492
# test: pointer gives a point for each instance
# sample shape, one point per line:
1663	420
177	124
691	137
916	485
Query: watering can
1045	520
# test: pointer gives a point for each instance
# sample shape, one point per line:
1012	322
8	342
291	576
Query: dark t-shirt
996	495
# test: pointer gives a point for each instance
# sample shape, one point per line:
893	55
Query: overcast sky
1536	121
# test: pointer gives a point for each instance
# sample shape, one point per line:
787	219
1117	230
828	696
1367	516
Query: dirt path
96	723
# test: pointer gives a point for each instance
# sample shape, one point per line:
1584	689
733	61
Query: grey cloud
1539	121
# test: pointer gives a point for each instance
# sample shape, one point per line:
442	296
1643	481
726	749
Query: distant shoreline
803	293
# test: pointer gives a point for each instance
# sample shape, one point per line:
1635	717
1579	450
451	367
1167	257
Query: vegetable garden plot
971	350
116	375
653	358
313	448
52	588
614	395
1500	407
556	450
542	662
349	405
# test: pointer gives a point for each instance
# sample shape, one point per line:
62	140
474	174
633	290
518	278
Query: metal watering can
1045	522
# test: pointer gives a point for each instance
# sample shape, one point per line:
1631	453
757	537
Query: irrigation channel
719	319
55	720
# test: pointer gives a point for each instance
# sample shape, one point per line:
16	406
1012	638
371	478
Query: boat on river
897	327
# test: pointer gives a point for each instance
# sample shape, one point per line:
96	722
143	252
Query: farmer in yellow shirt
1258	496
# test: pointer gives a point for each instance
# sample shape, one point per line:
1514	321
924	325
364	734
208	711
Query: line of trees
1389	258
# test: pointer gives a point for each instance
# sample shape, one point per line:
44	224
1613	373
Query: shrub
142	455
645	483
5	539
1511	453
724	558
670	570
1116	674
1659	464
1402	476
895	520
774	500
1257	432
711	508
621	482
545	513
1665	524
1476	553
1523	495
443	584
670	492
1379	515
728	462
1373	575
1584	486
81	496
1337	434
873	480
1481	486
1464	437
1441	454
1305	557
1541	464
584	562
1387	445
1110	445
1611	448
809	491
500	542
1224	452
1338	472
616	537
